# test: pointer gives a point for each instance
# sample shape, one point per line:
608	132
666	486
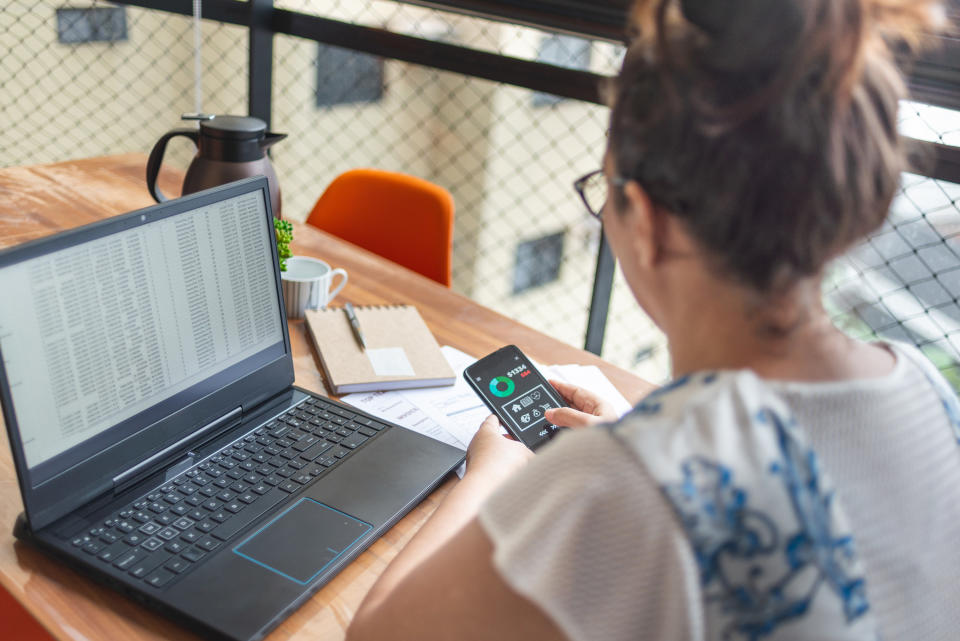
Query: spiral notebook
401	352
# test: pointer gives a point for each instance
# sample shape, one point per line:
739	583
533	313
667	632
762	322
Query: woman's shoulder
699	405
735	467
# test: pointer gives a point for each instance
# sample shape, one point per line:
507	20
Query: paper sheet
453	414
390	361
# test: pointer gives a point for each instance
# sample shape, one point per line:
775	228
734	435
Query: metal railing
461	105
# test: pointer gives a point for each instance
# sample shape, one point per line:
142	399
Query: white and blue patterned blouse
726	507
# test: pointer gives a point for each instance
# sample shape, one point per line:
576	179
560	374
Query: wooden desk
36	201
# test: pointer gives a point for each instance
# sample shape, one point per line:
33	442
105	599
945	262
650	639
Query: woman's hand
494	454
586	408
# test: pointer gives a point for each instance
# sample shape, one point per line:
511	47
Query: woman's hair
769	127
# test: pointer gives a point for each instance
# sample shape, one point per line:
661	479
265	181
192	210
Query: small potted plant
307	282
284	233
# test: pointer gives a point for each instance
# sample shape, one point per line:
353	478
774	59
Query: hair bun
745	35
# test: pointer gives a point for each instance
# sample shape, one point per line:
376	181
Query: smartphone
517	393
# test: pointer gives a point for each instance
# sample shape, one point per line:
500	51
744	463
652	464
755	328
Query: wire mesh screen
523	243
67	90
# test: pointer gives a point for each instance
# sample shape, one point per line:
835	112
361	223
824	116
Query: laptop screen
104	338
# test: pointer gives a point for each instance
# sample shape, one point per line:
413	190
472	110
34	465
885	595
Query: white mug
307	285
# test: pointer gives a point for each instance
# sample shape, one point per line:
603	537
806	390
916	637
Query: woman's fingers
584	400
569	417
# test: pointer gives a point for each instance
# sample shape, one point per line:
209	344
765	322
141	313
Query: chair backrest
403	218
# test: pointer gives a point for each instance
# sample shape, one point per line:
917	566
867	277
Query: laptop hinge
161	458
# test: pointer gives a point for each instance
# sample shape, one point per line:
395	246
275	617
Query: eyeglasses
594	190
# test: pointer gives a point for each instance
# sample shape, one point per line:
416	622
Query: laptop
160	445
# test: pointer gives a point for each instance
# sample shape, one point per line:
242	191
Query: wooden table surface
40	200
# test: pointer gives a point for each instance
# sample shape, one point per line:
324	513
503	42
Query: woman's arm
443	583
454	593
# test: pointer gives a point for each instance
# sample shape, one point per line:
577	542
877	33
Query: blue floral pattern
733	541
768	535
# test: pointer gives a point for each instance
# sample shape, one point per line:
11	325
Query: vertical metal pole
600	301
261	60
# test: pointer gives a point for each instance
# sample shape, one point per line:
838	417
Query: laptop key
113	551
315	450
191	536
93	547
81	540
168	533
149	528
289	486
366	431
354	440
204	526
148	564
159	578
209	490
208	543
234	506
135	538
177	565
193	554
127	561
251	514
175	547
152	544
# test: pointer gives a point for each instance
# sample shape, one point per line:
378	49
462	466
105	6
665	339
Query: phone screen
517	393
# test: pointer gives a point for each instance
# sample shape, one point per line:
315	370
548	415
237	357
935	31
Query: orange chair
403	218
17	621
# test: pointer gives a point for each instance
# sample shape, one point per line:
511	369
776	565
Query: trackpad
303	540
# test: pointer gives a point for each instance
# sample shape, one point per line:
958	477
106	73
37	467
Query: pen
355	325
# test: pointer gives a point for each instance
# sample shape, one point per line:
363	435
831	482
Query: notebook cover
347	368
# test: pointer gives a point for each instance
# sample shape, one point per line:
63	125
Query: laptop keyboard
167	532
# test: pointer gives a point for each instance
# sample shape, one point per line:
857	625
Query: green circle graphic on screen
501	386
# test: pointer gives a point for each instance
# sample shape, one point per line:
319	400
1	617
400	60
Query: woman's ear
642	225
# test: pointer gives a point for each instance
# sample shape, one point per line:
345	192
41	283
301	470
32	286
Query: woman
791	483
